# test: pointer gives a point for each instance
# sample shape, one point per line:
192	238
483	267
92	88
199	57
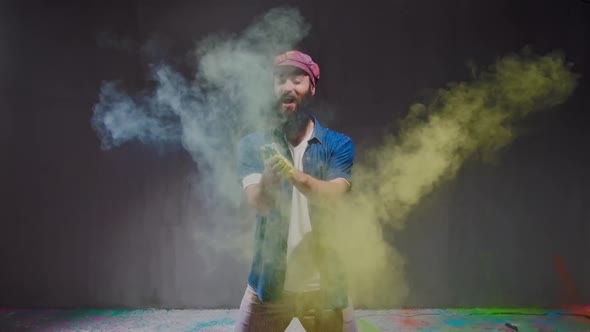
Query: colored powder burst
566	279
465	120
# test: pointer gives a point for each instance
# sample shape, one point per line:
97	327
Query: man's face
292	86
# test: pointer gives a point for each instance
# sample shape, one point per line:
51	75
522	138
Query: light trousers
258	316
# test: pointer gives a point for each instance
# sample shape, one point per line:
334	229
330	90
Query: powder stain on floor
407	320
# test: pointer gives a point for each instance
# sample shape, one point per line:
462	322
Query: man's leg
315	319
256	316
348	319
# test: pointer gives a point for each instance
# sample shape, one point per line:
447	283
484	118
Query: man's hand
276	166
270	180
281	167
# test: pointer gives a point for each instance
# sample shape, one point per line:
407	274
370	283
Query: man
290	176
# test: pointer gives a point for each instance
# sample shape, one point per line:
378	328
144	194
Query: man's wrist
300	180
265	185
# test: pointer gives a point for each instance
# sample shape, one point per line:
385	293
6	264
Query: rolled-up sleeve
250	166
341	162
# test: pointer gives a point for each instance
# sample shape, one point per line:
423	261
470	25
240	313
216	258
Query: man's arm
316	190
319	190
254	175
260	196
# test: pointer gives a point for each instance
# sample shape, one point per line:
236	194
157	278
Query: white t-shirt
302	273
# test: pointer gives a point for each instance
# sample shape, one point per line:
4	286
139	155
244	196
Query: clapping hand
276	164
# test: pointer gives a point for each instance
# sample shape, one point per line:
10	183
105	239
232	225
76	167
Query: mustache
306	104
287	96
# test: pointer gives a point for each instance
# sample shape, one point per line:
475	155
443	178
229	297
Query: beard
293	123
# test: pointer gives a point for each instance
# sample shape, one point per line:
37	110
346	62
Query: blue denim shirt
329	155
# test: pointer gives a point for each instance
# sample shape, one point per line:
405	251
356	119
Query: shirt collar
319	132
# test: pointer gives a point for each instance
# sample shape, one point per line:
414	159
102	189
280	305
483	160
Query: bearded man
289	175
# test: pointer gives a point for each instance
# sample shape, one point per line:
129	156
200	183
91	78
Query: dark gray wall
82	227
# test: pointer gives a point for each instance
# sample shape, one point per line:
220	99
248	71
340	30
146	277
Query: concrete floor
496	319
